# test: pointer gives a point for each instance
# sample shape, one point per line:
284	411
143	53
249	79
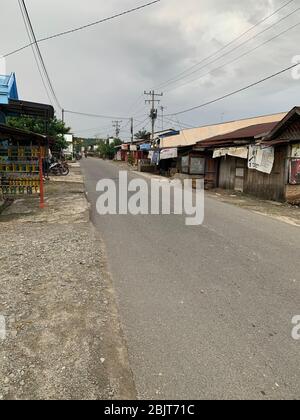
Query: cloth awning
239	152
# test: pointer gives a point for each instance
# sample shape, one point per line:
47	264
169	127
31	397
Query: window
185	163
197	166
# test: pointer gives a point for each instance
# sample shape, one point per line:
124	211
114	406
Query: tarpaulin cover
168	153
145	147
240	152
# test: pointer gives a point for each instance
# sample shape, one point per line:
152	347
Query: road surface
207	311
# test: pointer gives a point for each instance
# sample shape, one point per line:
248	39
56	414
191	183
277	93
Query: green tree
142	135
117	142
54	128
107	150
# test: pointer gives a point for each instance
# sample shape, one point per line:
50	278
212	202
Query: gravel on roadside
63	336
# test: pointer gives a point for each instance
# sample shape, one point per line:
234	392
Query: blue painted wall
8	88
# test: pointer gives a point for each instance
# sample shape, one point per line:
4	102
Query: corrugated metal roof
246	133
192	136
32	109
276	132
16	132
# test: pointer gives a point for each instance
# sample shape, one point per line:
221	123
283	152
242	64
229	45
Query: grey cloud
106	68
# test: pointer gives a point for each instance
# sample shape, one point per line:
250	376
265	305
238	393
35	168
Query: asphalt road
207	311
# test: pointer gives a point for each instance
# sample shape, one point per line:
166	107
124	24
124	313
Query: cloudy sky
105	69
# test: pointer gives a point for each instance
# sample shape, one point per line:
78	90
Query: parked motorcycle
59	169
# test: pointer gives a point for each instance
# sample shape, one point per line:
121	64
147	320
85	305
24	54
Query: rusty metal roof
277	135
191	136
241	135
25	108
5	130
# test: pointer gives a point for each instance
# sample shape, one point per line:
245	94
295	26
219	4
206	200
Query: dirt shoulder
63	336
280	211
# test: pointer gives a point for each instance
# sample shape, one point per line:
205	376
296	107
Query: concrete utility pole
162	108
153	112
63	115
132	130
117	126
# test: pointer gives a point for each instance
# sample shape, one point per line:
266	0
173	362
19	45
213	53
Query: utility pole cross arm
153	112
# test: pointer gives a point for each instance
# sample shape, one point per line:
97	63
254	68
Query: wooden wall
269	187
227	173
275	186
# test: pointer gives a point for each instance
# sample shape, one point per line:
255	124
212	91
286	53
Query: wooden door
239	175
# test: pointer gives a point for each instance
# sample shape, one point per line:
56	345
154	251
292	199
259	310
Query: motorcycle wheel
54	172
65	171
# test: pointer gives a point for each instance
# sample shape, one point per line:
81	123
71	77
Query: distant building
70	150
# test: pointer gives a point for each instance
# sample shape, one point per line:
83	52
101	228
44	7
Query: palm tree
142	135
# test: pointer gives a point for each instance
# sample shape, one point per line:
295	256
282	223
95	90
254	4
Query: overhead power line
39	57
94	129
143	123
188	70
187	126
238	46
235	59
117	126
35	53
80	28
235	92
84	114
39	54
135	103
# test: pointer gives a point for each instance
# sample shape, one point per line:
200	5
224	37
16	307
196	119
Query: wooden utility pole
153	112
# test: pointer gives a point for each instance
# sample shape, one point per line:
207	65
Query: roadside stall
22	158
